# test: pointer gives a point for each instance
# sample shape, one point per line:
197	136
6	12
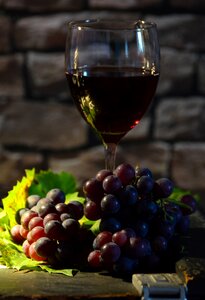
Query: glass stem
110	154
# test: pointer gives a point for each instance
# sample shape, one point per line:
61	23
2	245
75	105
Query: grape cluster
140	224
49	230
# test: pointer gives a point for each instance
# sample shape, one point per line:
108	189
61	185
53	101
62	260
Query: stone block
13	165
177	72
190	5
201	74
188	165
11	75
46	77
180	119
5	34
41	32
181	31
43	125
44	6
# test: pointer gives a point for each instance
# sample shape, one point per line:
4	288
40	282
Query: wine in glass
112	68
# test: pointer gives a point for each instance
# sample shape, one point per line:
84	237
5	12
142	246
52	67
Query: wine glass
112	68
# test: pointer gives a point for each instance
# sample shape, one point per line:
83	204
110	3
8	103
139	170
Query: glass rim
112	25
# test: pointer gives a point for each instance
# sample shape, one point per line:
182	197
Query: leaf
16	198
74	197
47	180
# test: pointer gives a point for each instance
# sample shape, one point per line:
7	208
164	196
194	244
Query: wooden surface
23	285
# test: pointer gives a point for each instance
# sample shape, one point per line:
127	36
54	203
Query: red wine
112	101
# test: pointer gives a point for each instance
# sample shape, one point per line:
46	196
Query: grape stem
110	154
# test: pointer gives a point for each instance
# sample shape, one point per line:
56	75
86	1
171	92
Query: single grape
44	201
61	208
23	232
120	238
125	266
126	173
54	230
64	216
111	184
92	210
110	224
141	228
36	233
163	188
130	232
94	259
33	254
26	217
45	247
183	225
57	195
139	247
36	221
102	174
93	190
72	227
25	247
165	228
65	253
159	244
128	195
19	214
16	235
110	204
190	204
110	253
51	216
145	184
139	172
101	239
32	200
150	210
75	209
46	209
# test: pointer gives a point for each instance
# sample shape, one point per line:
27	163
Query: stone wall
40	127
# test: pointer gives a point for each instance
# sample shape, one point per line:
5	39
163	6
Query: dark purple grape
163	188
44	201
126	173
150	210
159	244
130	232
101	239
173	212
75	209
139	247
183	225
102	174
145	184
46	209
32	200
190	204
139	172
125	266
54	230
110	253
72	227
50	217
110	204
62	208
112	184
110	224
165	228
129	195
93	190
92	210
65	253
141	228
56	195
65	216
45	247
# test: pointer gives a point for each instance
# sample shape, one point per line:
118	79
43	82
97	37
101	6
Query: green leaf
47	180
16	198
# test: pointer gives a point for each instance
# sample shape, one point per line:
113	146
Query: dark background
40	127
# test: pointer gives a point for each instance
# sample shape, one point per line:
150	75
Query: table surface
41	285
